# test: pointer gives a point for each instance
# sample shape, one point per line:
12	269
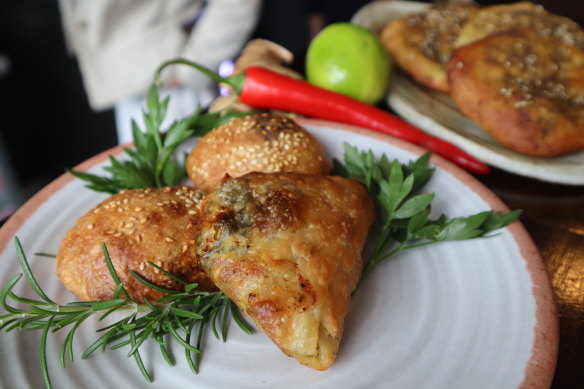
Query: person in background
120	43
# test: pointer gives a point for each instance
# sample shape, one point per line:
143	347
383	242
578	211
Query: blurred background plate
437	114
456	315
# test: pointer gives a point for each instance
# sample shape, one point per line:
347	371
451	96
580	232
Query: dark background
46	124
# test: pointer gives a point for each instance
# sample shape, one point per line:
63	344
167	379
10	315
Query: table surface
554	217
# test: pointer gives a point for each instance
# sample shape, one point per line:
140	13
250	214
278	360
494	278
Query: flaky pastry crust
286	248
136	226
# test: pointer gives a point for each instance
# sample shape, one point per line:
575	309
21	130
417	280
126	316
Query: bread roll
262	142
504	17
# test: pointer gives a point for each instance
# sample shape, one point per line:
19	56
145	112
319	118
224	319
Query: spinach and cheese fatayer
262	142
137	226
286	248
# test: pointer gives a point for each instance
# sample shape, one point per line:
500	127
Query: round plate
437	114
452	315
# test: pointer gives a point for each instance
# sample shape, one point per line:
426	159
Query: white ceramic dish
437	114
462	315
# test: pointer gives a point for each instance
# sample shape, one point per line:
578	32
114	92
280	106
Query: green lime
349	59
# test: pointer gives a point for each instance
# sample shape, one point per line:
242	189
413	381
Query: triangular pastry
286	248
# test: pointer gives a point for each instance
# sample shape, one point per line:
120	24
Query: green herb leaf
151	163
179	316
403	212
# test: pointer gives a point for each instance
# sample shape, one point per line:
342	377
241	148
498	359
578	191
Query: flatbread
421	43
499	18
523	88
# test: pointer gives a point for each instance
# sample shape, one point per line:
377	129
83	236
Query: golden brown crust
421	43
525	89
500	18
136	226
262	142
286	248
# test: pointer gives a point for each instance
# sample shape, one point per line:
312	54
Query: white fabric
183	102
120	43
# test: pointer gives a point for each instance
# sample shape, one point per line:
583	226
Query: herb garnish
403	213
186	312
151	164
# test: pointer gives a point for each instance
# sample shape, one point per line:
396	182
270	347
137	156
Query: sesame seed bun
262	142
137	226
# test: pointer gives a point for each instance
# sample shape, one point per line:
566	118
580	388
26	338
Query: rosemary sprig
403	213
151	163
179	315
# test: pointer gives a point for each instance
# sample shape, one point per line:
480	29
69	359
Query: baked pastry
263	142
286	248
421	43
525	89
137	226
499	18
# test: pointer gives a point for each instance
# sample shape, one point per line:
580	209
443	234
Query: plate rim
540	368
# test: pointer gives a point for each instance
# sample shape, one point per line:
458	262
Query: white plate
463	315
437	114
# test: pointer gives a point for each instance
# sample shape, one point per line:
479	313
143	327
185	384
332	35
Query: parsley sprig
151	164
180	315
404	212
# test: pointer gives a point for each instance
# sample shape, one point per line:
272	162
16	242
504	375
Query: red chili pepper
262	88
